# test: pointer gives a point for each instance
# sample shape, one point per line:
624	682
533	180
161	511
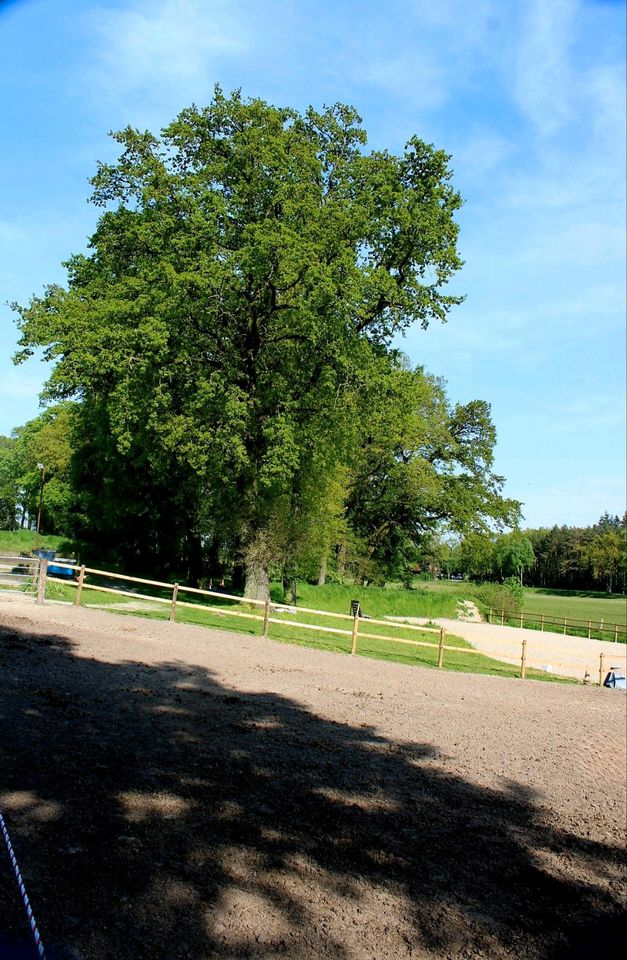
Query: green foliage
422	464
501	597
513	554
249	268
476	555
9	484
378	601
47	440
516	588
15	542
581	558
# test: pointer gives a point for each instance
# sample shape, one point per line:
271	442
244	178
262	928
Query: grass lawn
223	616
432	599
24	541
563	603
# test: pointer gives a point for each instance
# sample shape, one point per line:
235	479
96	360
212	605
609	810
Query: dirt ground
175	792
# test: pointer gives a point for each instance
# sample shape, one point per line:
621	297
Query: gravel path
564	655
177	792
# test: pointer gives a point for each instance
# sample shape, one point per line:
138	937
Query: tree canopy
228	336
572	558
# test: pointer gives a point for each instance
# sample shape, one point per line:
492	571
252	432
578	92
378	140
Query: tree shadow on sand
158	814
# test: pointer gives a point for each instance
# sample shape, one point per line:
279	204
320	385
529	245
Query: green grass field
24	541
438	598
460	660
563	603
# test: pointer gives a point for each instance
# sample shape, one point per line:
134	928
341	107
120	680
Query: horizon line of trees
364	535
557	557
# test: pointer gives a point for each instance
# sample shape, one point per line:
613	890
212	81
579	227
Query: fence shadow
156	813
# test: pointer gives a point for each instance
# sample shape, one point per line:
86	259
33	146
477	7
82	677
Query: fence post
441	649
79	585
615	633
175	593
354	637
521	621
523	660
266	618
490	615
502	617
589	629
41	583
542	623
564	626
601	655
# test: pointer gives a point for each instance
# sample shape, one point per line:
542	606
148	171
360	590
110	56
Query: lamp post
42	469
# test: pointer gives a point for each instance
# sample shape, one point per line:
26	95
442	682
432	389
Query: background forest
407	546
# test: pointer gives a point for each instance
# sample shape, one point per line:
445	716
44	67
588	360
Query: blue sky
527	95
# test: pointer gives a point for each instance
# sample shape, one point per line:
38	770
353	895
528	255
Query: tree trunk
322	576
257	568
257	584
194	559
341	561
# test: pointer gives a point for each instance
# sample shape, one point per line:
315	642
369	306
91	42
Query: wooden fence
18	572
615	631
266	609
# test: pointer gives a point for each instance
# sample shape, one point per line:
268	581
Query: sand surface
177	792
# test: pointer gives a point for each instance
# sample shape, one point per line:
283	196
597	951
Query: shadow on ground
158	814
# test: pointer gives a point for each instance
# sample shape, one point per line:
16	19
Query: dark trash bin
45	554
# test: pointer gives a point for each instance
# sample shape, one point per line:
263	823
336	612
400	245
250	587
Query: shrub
501	597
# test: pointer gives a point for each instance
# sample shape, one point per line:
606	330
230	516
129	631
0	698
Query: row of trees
419	463
568	558
36	458
223	354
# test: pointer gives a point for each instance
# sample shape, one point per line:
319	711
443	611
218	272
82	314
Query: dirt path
564	655
175	792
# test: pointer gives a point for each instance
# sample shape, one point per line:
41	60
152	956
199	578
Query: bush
516	589
506	597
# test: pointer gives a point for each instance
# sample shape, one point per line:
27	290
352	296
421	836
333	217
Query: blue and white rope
20	883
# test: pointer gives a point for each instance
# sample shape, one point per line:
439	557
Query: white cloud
164	48
481	153
590	411
543	75
418	51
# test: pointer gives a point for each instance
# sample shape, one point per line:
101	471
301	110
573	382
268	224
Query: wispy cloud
543	75
164	48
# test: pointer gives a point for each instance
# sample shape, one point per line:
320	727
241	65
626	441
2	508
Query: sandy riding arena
173	792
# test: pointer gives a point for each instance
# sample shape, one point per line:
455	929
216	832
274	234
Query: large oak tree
248	265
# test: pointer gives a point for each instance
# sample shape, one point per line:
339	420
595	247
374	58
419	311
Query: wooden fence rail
264	616
591	626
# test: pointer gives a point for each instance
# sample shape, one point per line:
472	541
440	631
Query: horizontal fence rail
267	611
616	631
18	572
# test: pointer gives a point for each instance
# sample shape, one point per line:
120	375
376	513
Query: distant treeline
581	558
563	558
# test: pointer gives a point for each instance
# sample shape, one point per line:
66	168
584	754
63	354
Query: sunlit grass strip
460	658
